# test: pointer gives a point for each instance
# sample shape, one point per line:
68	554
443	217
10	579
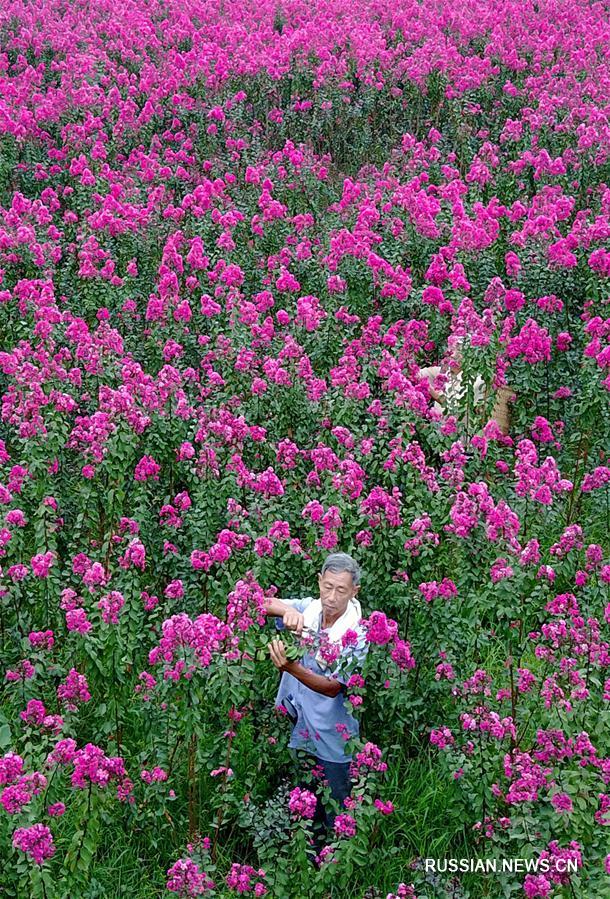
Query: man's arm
291	617
327	686
275	606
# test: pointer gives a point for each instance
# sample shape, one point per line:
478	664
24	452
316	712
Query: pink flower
386	808
533	343
444	669
92	766
63	753
25	670
245	879
203	636
76	620
41	563
302	803
42	639
447	588
11	768
56	810
401	654
110	605
380	629
562	802
246	604
442	737
279	531
369	758
135	555
513	264
156	775
94	575
500	570
403	891
263	547
18	572
525	680
350	638
433	296
149	601
34	713
537	886
73	690
186	879
35	841
174	590
16	517
345	826
147	468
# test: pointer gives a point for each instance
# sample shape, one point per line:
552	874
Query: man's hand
327	686
293	620
277	651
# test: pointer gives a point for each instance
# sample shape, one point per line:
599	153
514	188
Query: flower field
280	279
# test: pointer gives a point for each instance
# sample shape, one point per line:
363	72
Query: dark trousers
338	778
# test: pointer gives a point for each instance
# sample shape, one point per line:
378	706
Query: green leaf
5	736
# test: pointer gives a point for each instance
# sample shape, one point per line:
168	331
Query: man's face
336	590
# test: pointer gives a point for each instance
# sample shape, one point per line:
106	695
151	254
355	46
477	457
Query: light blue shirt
317	715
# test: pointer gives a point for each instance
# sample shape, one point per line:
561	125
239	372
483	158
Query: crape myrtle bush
231	234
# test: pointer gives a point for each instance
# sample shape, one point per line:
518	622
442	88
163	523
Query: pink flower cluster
544	884
244	879
381	506
432	590
380	629
187	880
368	759
345	826
246	604
20	791
539	482
110	605
35	715
424	534
203	637
91	766
74	690
146	469
156	775
302	803
42	562
36	841
401	655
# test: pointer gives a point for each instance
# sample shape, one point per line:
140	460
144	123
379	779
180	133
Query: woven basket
501	409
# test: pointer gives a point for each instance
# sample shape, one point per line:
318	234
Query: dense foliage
231	236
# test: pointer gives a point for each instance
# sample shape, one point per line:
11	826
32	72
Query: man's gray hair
342	562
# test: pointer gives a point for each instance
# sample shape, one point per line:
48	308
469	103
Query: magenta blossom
302	803
380	629
345	826
187	880
36	841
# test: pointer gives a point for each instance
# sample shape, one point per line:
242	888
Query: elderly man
312	690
